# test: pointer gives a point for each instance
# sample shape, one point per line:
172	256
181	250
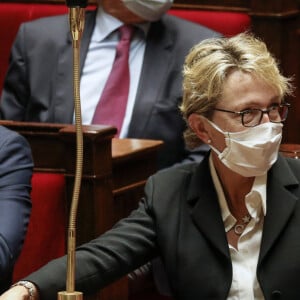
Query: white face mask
149	10
251	152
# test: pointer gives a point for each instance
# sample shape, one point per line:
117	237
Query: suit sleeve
129	244
15	92
15	204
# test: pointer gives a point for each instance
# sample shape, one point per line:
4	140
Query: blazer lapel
159	52
206	211
63	98
280	204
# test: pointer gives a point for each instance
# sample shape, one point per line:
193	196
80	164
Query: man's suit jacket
180	219
38	86
15	205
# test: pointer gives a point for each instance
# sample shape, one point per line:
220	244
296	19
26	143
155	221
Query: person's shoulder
294	164
8	136
194	29
50	28
287	169
7	133
50	31
170	186
52	22
177	171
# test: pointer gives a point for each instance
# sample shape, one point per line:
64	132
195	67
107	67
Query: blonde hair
207	66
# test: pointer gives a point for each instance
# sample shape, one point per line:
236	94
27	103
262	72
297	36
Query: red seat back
227	23
45	238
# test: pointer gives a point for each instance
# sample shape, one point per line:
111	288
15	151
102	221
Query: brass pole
76	20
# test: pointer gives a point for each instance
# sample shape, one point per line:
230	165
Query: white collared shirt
99	62
245	257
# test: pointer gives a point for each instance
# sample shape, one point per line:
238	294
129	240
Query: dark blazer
15	205
38	86
180	220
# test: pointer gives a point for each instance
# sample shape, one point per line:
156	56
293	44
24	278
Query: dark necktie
111	107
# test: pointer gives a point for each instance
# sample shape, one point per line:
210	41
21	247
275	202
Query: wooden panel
290	150
277	6
230	5
285	47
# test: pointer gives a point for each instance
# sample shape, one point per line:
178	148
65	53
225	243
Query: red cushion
45	237
227	23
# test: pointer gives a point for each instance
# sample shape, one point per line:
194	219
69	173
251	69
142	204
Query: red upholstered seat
227	23
45	237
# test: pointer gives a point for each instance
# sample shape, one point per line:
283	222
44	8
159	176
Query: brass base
69	296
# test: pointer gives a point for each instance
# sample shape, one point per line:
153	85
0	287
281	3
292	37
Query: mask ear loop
216	127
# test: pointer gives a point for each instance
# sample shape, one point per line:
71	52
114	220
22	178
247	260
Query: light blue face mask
149	10
250	152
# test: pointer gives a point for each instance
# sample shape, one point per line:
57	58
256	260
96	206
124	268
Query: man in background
38	85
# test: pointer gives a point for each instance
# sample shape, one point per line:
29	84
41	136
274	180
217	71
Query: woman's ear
198	125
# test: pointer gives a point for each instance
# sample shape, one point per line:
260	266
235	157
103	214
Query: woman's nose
265	118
